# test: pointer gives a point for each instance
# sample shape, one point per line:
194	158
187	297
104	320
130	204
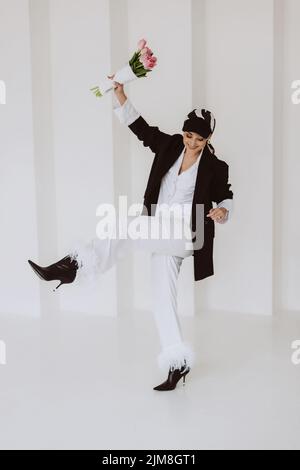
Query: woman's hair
211	147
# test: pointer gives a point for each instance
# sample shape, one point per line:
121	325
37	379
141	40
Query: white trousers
168	240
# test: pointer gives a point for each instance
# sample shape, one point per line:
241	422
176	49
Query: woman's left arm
221	194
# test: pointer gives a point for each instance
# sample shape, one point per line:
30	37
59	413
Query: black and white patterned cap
200	120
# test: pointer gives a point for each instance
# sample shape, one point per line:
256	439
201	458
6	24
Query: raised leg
149	234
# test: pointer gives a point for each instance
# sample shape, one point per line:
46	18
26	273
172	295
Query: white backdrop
63	152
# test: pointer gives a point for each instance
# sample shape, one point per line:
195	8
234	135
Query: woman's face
194	142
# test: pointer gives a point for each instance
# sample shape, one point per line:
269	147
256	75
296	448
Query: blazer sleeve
220	185
126	113
151	136
228	204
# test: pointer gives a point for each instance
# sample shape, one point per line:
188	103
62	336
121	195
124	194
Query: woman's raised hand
118	88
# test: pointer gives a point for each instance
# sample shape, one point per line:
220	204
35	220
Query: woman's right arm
123	109
151	136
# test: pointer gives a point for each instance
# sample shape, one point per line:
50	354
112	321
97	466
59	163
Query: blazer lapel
204	175
165	162
173	156
204	172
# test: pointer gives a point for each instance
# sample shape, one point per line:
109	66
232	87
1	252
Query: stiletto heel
58	286
173	377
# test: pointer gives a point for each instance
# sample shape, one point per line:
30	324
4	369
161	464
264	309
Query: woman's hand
218	214
118	90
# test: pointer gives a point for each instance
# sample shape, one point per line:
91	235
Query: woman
185	172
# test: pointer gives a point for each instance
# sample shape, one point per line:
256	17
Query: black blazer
211	185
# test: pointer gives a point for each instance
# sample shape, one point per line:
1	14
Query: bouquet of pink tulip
142	62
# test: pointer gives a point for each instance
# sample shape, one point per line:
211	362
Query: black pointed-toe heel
64	270
173	378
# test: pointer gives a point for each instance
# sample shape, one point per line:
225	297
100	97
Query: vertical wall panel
19	291
239	85
164	99
80	54
43	150
290	161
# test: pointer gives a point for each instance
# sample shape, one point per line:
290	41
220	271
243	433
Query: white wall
83	141
62	151
19	292
289	261
239	90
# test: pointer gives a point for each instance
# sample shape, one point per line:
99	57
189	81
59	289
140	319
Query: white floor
84	382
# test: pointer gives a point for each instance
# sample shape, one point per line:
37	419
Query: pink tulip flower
141	44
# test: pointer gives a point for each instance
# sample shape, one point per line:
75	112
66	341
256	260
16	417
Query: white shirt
179	189
174	188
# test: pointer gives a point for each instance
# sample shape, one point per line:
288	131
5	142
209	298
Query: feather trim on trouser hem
176	356
88	261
